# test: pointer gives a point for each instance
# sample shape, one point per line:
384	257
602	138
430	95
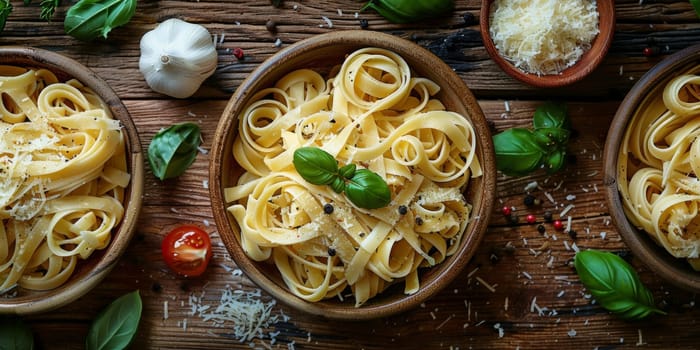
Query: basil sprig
15	334
173	150
363	187
115	327
89	19
520	151
614	284
404	11
5	10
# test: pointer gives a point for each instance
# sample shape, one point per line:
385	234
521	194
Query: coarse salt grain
328	21
488	286
571	333
527	275
603	234
531	186
561	294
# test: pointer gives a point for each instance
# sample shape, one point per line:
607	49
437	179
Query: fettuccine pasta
659	164
375	114
62	177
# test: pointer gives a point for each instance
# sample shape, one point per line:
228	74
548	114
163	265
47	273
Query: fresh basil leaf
550	138
173	150
338	185
315	165
403	11
88	19
550	115
696	7
368	190
517	152
15	334
115	327
347	171
614	284
554	161
5	10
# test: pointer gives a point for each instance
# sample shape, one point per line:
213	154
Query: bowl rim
453	266
655	257
44	301
599	48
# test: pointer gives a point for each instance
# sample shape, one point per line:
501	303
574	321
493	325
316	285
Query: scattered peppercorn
548	216
403	209
513	219
571	159
238	52
156	287
364	23
276	3
529	200
331	251
650	51
531	219
469	18
541	229
328	208
271	26
419	221
558	225
572	234
507	211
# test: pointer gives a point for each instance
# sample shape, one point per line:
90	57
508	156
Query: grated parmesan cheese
543	36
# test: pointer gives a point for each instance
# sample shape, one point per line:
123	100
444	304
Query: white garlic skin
176	57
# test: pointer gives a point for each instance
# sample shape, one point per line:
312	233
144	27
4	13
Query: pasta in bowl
71	184
373	105
651	165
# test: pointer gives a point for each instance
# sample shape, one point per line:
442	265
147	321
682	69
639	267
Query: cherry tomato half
187	250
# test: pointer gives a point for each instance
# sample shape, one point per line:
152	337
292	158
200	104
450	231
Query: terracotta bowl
588	62
88	273
656	258
320	53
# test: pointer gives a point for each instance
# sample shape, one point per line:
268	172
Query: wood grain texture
538	300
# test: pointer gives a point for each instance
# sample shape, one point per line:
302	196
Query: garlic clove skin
176	57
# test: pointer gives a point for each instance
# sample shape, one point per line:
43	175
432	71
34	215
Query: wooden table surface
537	302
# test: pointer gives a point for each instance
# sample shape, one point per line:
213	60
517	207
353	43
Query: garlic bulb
176	57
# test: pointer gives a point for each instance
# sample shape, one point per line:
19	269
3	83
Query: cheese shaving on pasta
659	163
543	36
62	177
375	114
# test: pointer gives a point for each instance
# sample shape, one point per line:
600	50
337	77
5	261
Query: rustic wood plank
538	301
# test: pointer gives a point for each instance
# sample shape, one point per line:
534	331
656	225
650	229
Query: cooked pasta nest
64	174
373	112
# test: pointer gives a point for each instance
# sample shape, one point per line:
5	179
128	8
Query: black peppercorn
513	219
548	216
572	234
419	221
529	200
469	18
271	26
541	229
156	287
328	208
403	209
331	251
364	23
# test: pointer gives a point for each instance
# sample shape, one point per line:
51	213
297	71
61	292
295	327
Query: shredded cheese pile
543	36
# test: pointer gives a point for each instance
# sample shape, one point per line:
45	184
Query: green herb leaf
365	188
5	10
555	161
15	334
315	165
173	150
550	115
403	11
368	190
696	7
614	284
88	19
517	152
116	325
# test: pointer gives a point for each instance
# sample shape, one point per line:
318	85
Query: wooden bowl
588	62
88	273
320	53
674	270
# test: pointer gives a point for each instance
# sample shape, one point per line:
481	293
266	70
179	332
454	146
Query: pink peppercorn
507	211
238	52
558	225
531	219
